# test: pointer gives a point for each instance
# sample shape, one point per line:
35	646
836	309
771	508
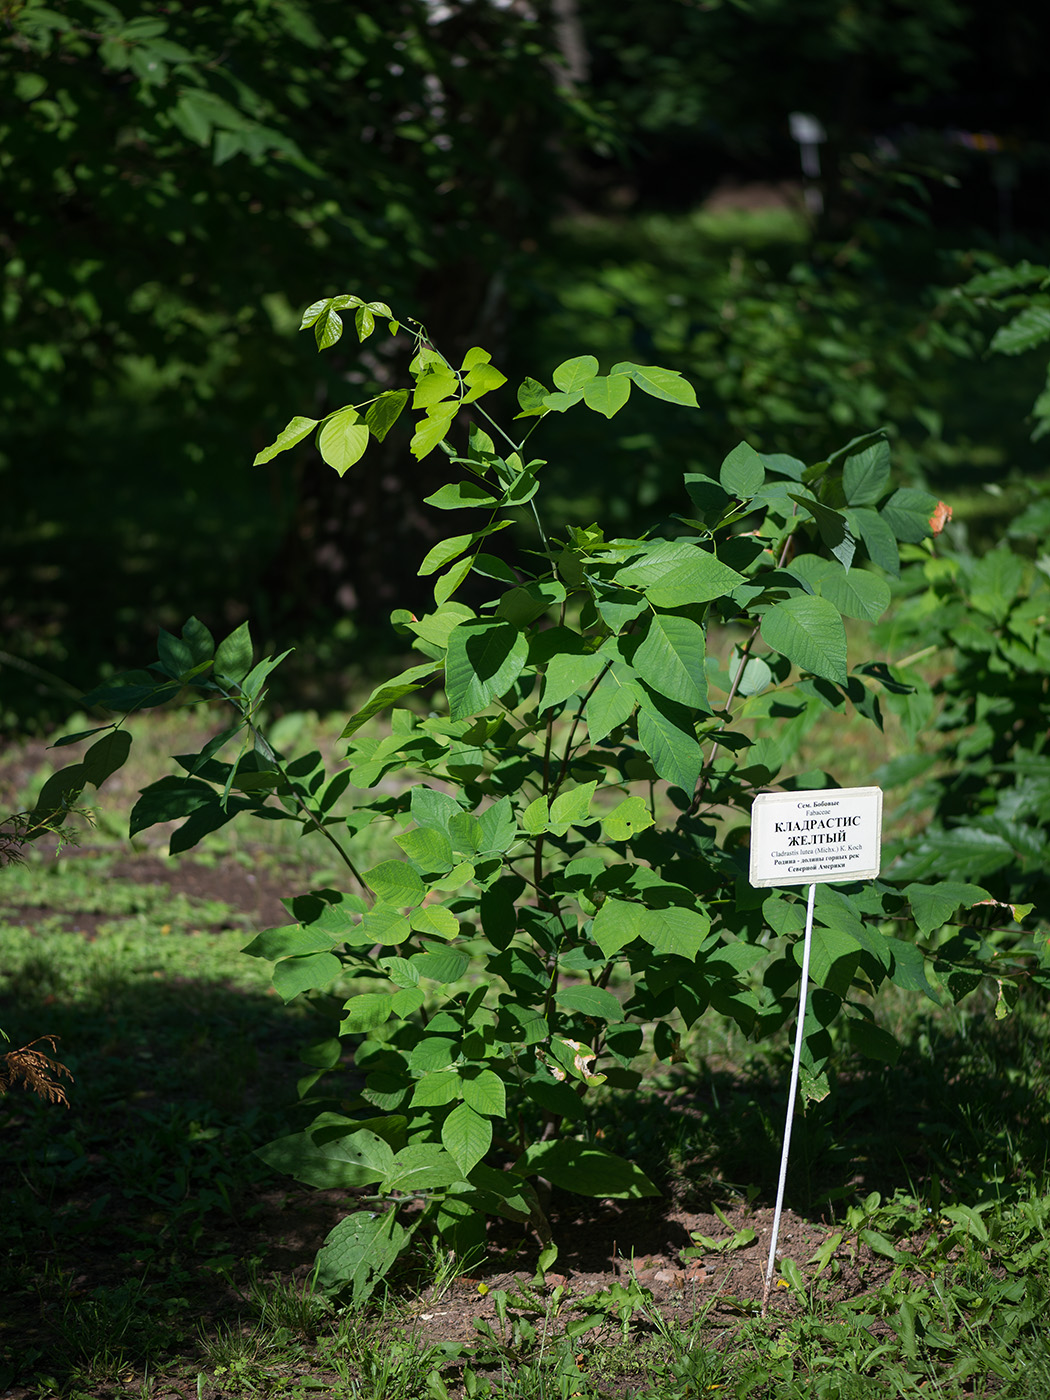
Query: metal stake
791	1097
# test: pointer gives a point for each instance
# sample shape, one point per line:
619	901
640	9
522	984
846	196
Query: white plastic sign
817	837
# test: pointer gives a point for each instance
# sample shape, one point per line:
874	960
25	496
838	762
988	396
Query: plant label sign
817	837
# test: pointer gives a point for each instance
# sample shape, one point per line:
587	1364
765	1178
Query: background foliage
179	179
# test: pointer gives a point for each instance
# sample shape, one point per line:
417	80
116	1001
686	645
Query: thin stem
745	656
311	816
566	757
543	538
515	446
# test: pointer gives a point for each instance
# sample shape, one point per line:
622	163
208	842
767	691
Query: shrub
569	805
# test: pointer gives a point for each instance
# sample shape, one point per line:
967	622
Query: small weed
105	1334
230	1343
287	1307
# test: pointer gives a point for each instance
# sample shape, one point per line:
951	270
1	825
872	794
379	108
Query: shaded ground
148	1181
282	1227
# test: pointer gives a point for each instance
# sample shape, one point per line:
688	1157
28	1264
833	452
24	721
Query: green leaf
695	579
233	657
461	495
395	882
866	474
385	924
673	930
607	394
200	641
572	808
909	967
421	1167
531	395
435	919
995	581
300	1157
618	606
617	923
87	733
666	384
559	403
666	733
443	553
429	807
833	527
343	439
485	1093
809	632
436	385
386	695
365	1012
628	817
168	799
485	658
676	930
381	415
497	828
252	685
879	540
743	472
448	582
998	280
677	574
464	830
482	379
437	1089
573	374
467	1136
400	971
314	311
406	1003
585	1169
445	966
590	1001
174	655
292	939
358	1254
567	674
105	757
535	817
29	86
934	905
834	956
670	660
611	705
428	848
344	1141
328	328
431	429
857	594
523	605
873	1041
447	550
1029	328
296	430
308	972
908	512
